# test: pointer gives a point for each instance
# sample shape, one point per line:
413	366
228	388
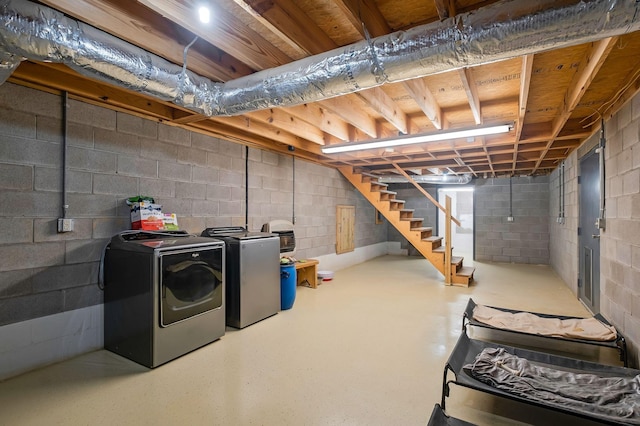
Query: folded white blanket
526	322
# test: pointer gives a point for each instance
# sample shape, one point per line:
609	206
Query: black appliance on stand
163	294
252	272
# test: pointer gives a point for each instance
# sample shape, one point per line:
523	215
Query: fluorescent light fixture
415	139
204	14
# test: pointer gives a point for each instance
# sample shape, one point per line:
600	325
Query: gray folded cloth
614	398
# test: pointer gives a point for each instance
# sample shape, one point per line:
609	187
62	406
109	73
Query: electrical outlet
509	218
65	225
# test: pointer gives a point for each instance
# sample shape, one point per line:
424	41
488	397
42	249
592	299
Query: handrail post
447	241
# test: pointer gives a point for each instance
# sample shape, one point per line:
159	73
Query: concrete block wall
423	208
620	242
563	245
308	195
526	239
112	156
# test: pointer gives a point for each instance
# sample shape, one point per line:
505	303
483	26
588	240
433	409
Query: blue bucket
287	286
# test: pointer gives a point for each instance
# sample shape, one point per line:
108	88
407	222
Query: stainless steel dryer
253	274
163	294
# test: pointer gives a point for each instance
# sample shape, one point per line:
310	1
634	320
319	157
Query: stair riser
384	200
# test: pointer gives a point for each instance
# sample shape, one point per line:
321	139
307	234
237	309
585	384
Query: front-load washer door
191	283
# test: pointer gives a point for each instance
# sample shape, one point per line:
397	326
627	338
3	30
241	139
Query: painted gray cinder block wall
423	208
112	156
563	245
526	239
620	241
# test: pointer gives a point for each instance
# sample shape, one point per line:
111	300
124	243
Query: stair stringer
418	236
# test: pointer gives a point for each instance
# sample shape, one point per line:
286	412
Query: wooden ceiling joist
586	72
468	82
225	31
525	82
554	97
153	34
287	21
418	90
364	14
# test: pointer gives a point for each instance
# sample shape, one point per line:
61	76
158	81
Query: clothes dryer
163	294
253	274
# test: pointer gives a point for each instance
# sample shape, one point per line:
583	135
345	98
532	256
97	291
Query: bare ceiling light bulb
204	14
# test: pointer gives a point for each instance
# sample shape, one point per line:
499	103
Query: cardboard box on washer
146	216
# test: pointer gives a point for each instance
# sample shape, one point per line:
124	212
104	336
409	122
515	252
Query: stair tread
369	175
430	245
422	228
465	271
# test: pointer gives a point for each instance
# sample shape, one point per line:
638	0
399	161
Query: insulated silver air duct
503	30
437	179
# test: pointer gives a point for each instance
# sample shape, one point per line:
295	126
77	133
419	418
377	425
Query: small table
307	272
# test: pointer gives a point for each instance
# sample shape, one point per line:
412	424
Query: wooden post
447	241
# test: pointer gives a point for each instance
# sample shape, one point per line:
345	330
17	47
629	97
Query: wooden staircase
410	227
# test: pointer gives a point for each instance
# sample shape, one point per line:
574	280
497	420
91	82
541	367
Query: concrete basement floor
367	348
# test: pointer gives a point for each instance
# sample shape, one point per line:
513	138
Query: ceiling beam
57	78
223	131
265	130
586	72
364	13
187	117
629	89
346	108
468	82
133	23
225	31
306	34
418	90
290	23
458	159
148	34
525	83
322	118
382	103
486	151
445	8
282	120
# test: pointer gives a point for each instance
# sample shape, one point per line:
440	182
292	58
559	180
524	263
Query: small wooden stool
307	272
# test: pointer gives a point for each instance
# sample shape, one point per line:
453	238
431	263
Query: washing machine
164	294
252	272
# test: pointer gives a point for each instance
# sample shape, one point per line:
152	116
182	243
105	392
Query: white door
462	209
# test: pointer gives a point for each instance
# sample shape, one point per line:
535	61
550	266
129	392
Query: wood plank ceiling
554	98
